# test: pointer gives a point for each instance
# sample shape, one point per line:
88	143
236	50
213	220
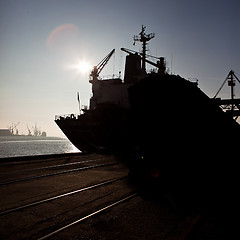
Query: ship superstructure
110	99
115	90
125	113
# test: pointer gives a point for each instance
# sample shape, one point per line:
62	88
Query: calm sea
26	146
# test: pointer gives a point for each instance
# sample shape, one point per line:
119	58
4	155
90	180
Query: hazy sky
41	42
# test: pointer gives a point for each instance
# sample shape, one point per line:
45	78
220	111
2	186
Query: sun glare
83	67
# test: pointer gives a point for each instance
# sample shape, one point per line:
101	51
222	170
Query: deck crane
97	69
160	65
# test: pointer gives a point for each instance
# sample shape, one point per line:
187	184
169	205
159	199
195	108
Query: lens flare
61	32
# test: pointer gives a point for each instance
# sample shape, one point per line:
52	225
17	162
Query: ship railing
66	116
113	76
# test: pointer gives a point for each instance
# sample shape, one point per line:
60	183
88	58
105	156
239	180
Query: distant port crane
13	128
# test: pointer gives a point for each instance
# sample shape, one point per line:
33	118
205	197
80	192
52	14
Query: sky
43	42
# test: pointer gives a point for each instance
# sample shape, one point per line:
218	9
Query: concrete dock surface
33	206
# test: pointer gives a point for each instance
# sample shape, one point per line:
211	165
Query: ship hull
102	128
174	142
75	132
188	114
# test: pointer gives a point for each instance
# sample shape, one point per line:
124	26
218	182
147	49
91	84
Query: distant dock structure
5	133
12	130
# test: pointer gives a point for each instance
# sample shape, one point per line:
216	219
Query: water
28	146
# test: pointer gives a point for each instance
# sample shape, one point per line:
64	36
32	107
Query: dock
85	196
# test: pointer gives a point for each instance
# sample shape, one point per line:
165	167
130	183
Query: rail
66	116
113	204
111	77
69	116
61	195
56	173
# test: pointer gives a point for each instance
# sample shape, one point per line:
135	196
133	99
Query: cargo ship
103	125
131	113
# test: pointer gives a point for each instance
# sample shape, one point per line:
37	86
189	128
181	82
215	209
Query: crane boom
102	64
97	69
160	64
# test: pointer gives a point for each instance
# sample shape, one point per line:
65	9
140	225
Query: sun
83	67
79	66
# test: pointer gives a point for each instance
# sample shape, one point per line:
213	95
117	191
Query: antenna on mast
79	104
144	38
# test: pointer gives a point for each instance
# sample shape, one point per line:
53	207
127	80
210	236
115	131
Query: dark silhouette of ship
128	114
103	125
176	141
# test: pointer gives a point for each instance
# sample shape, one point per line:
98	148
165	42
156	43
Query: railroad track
31	209
56	173
43	219
9	175
48	160
96	203
88	216
48	167
18	208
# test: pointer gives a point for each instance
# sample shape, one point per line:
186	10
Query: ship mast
144	38
232	105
